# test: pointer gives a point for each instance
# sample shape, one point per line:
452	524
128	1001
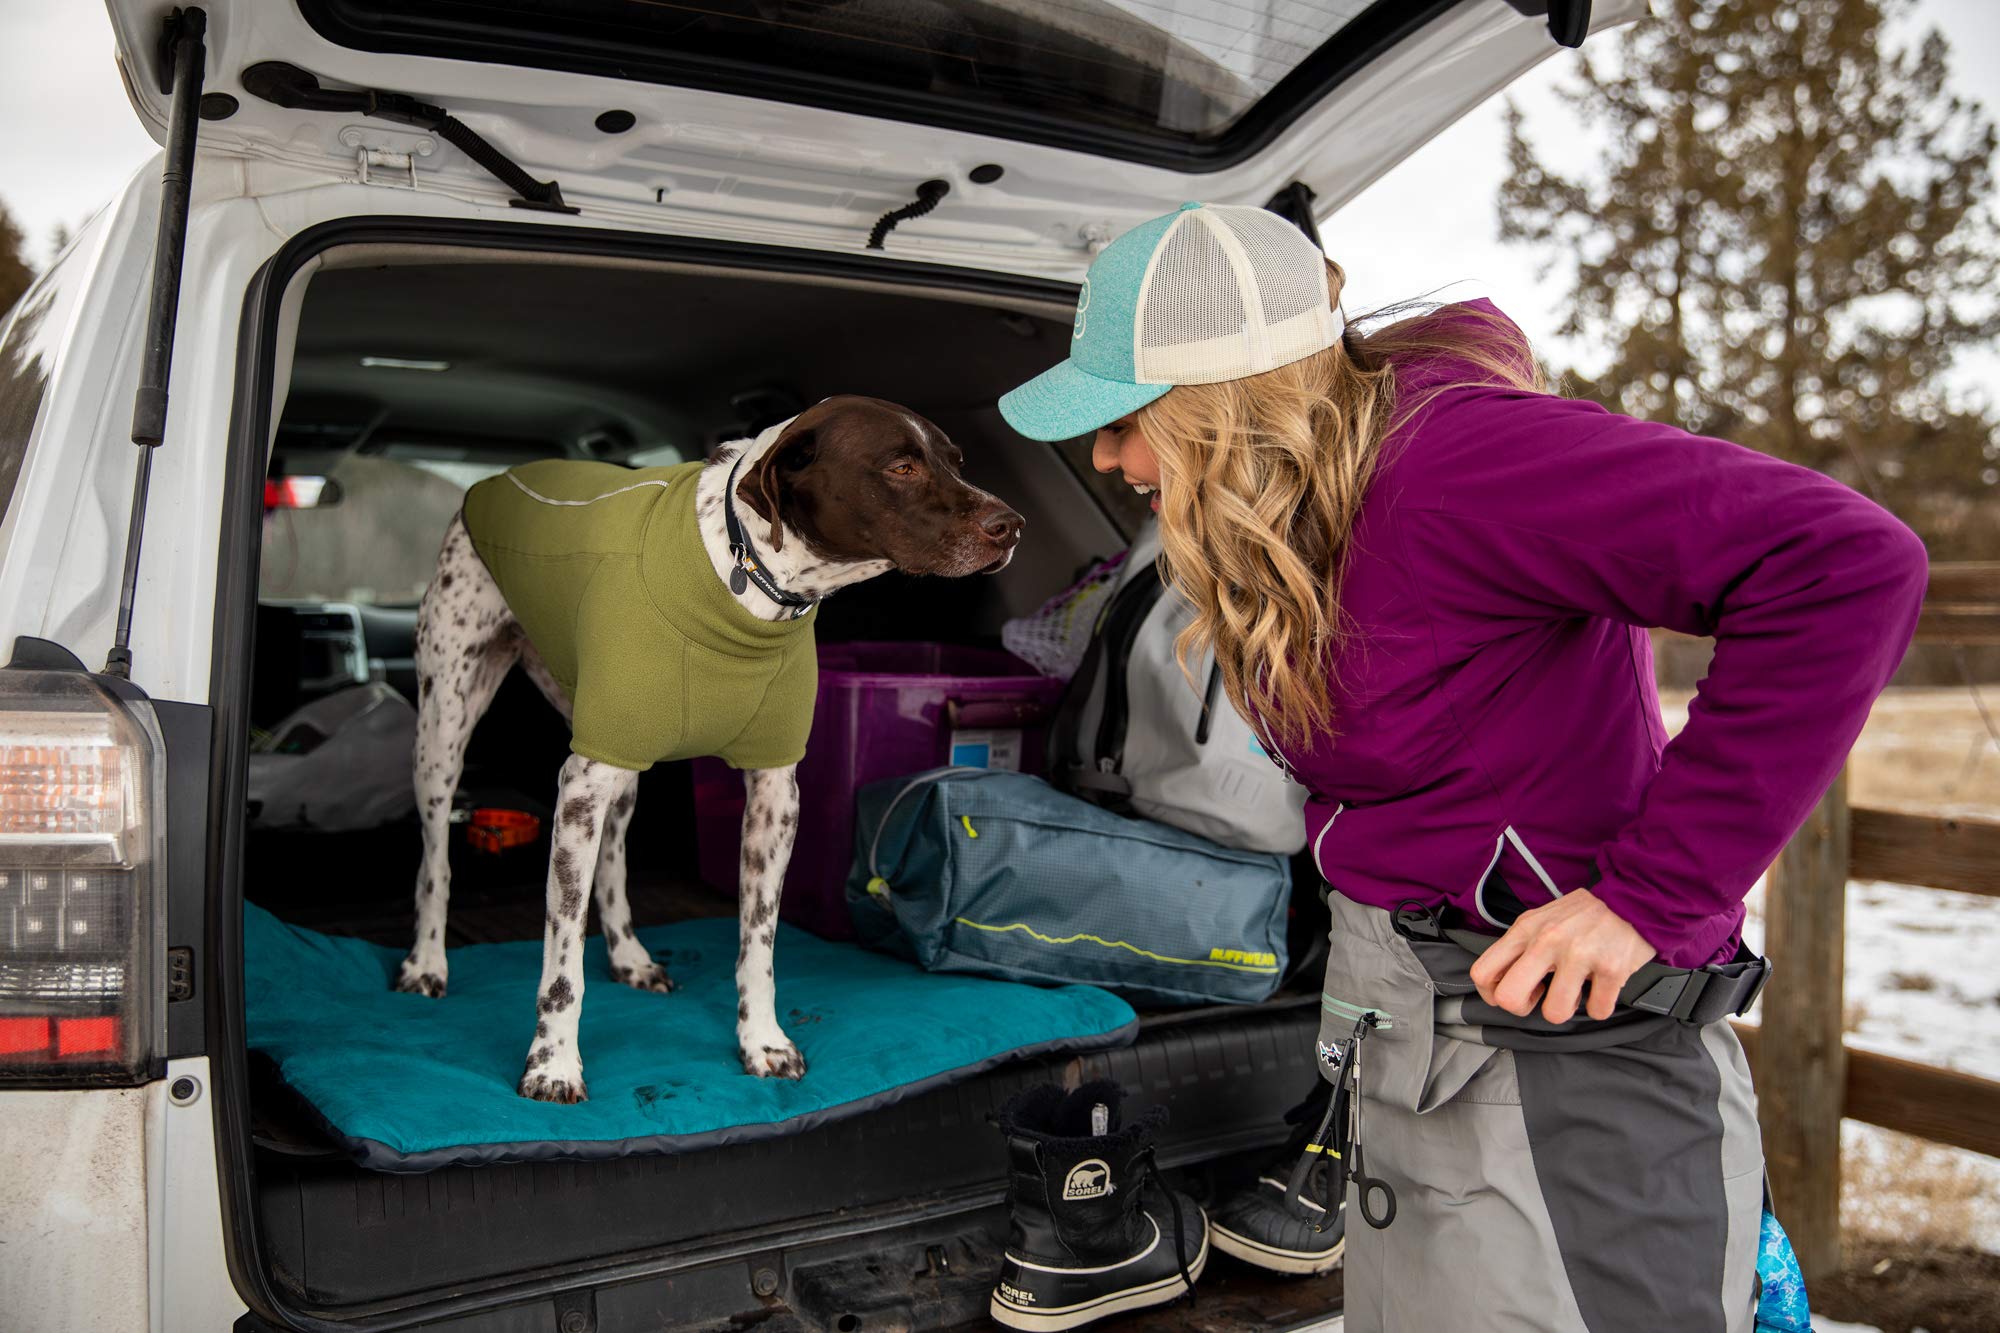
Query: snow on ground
1922	981
1921	984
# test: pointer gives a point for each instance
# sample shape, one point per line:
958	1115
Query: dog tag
738	580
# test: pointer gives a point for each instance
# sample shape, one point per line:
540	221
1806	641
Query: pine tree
1785	242
15	274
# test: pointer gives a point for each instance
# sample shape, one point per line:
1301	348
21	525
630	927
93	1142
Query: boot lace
1151	1169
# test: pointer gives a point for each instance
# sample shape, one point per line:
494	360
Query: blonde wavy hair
1262	481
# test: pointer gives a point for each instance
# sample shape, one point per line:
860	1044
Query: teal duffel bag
999	874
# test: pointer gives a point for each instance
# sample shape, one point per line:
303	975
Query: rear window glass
1162	74
372	539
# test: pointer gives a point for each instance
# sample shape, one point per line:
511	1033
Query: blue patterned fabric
408	1083
1782	1307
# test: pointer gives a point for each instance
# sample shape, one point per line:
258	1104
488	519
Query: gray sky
69	140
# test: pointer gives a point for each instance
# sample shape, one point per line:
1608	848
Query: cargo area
417	371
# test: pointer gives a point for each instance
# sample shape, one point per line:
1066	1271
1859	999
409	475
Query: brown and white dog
848	489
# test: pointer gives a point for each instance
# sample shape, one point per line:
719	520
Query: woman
1429	580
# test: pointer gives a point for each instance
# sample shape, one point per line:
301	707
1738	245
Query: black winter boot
1082	1244
1259	1226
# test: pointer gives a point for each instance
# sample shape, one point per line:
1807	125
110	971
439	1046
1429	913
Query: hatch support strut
181	75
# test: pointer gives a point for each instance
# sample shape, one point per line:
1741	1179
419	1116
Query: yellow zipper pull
970	831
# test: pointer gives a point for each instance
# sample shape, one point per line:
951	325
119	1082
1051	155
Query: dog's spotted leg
770	822
467	641
630	963
588	790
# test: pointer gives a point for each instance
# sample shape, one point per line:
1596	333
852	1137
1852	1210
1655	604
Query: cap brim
1064	402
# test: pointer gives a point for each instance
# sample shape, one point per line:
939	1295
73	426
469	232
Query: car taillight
81	916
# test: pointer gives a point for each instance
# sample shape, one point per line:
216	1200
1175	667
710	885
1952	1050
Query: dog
847	490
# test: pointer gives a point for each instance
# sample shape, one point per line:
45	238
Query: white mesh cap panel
1190	300
1289	269
1232	291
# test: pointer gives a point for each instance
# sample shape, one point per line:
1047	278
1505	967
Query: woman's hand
1578	939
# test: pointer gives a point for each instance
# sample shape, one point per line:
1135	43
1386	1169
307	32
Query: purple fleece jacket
1510	551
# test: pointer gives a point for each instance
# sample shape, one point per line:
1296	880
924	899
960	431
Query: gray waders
1589	1176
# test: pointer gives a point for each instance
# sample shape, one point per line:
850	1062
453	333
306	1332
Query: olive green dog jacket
605	570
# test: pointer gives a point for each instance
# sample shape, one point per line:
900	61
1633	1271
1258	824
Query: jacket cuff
1681	939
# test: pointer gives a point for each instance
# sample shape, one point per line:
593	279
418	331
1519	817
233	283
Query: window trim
1378	29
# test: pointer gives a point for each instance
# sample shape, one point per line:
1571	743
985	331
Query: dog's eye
904	470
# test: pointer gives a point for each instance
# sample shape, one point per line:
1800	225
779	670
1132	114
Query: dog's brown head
864	479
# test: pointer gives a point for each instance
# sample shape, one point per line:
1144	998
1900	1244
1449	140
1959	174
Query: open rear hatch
1052	124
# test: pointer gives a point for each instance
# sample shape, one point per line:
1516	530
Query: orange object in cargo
496	830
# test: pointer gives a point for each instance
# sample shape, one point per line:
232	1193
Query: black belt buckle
1704	994
1689	1008
1672	996
1760	974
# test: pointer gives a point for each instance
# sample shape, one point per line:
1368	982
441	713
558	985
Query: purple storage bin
884	709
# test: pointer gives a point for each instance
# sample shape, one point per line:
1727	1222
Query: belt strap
1693	995
1698	995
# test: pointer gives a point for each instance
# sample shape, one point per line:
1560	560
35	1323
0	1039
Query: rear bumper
742	1230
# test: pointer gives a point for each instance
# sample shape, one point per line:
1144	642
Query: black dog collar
749	569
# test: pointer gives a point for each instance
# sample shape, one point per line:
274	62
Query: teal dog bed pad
407	1083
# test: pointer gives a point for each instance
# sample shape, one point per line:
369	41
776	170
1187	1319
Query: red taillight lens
80	929
86	1036
37	1041
18	1036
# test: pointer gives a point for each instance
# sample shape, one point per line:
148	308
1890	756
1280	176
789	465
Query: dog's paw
415	978
552	1075
780	1061
543	1088
650	977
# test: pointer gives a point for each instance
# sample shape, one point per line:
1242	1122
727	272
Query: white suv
425	239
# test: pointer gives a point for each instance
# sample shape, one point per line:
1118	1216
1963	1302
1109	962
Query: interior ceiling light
403	363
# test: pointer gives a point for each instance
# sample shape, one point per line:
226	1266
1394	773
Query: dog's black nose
1003	526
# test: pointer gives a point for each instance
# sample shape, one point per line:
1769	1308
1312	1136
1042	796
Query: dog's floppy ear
763	488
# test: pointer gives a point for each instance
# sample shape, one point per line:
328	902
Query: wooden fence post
1801	1065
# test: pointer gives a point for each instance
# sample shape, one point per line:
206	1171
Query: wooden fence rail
1962	605
1940	853
1807	1078
1942	1105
